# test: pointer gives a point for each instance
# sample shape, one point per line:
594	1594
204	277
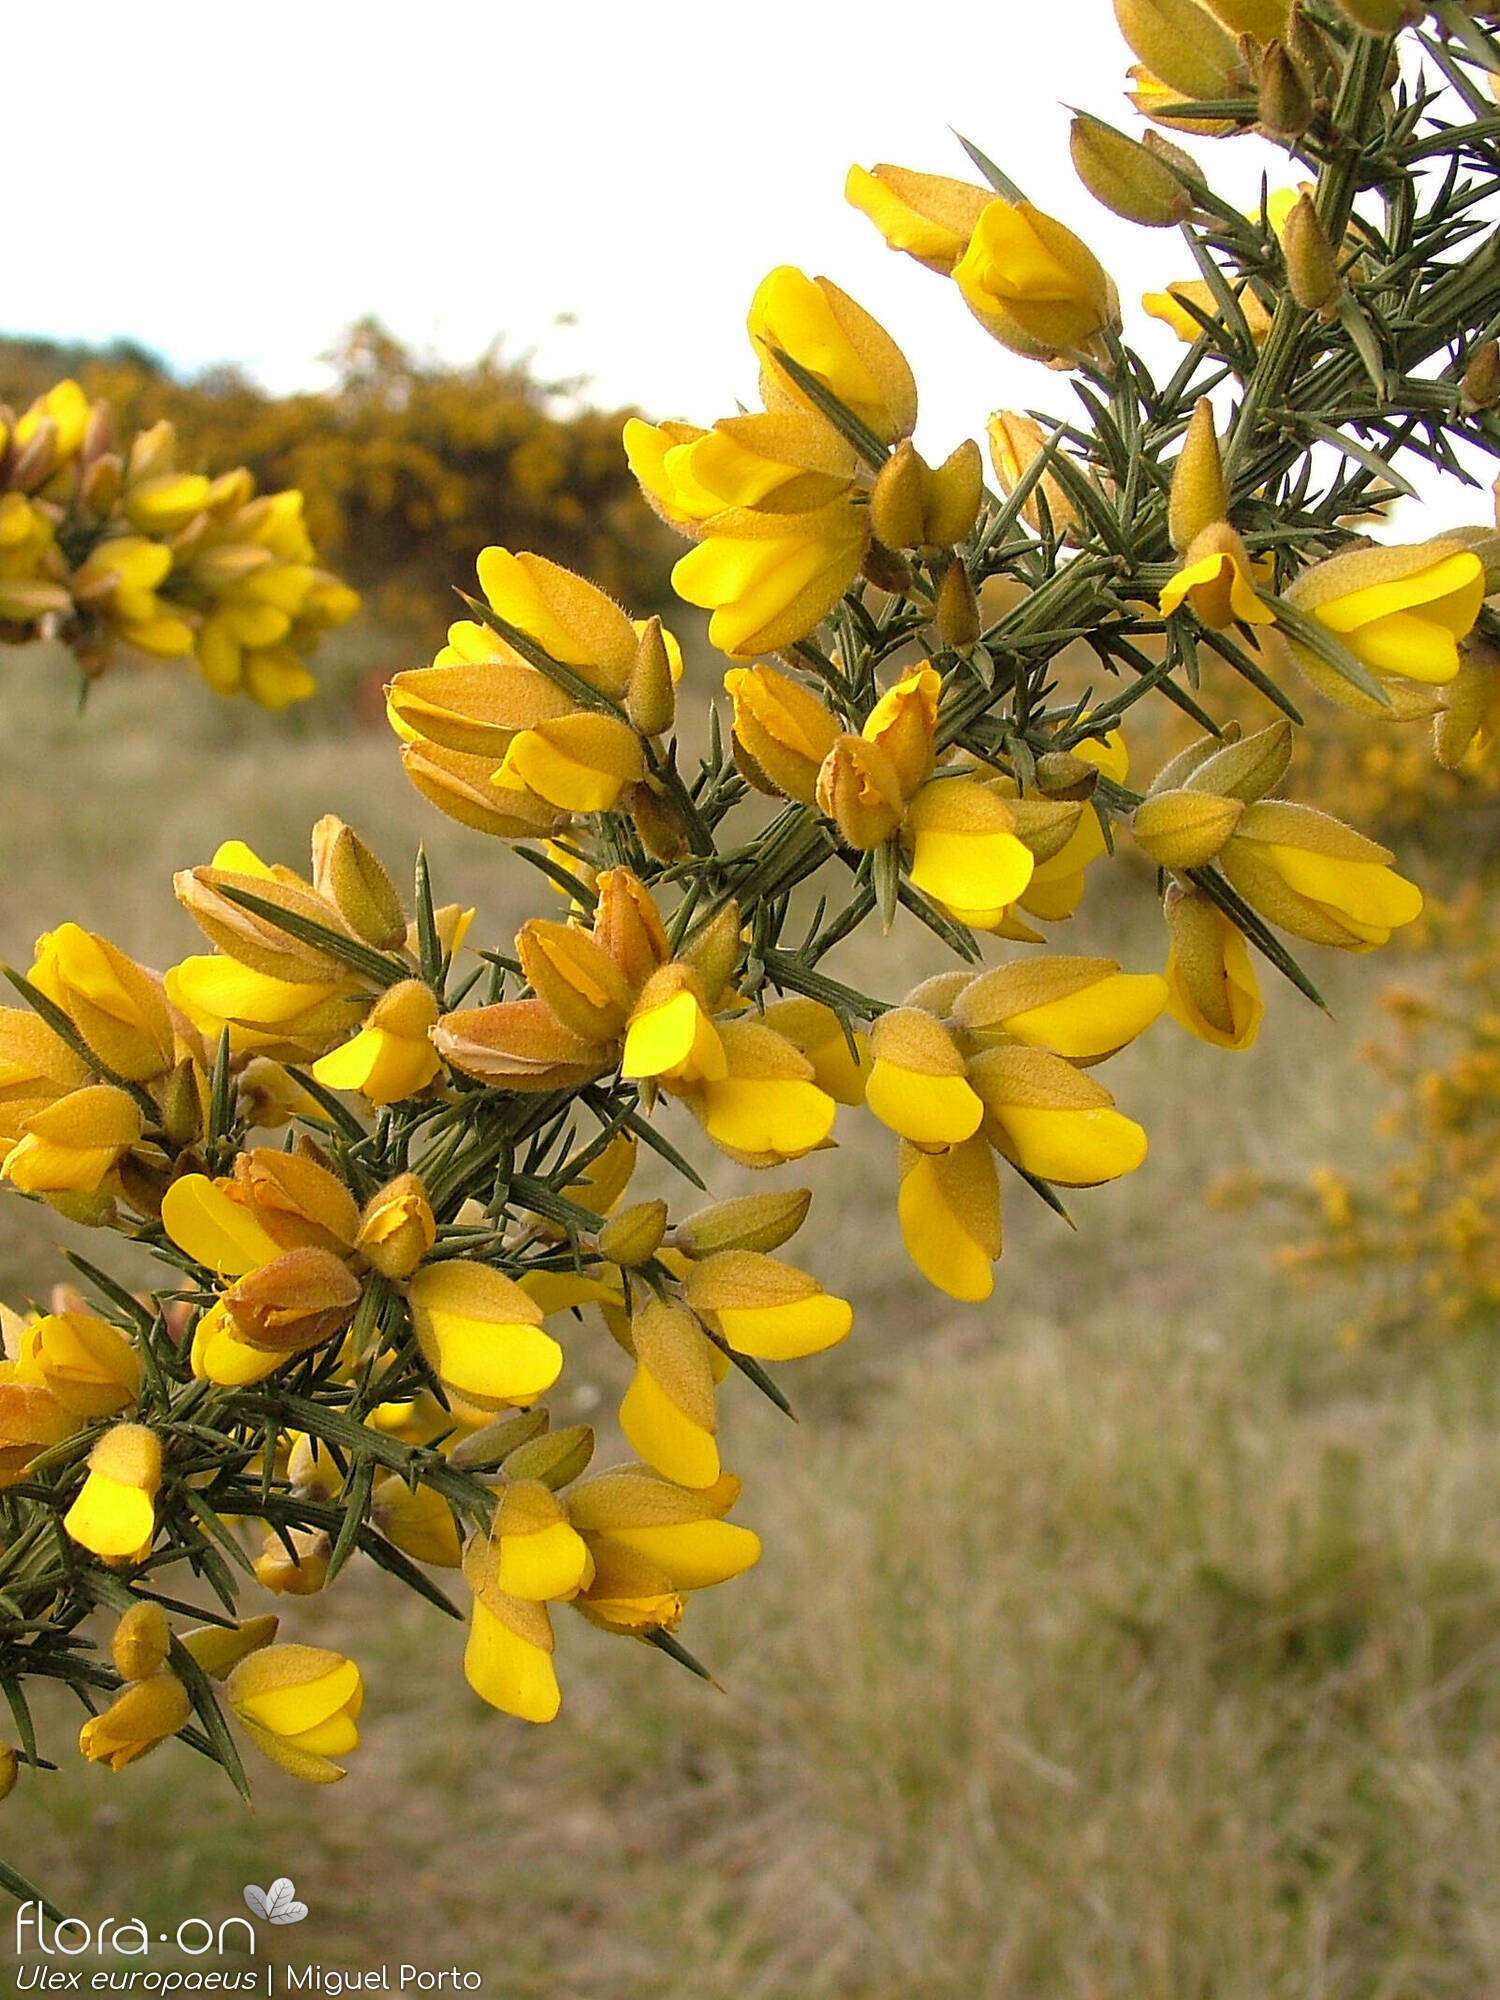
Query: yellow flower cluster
103	545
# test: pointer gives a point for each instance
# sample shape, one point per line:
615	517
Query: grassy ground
1127	1636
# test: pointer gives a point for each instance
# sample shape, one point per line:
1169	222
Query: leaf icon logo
278	1904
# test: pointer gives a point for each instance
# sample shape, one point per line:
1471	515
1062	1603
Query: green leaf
1000	182
663	1641
201	1692
1317	638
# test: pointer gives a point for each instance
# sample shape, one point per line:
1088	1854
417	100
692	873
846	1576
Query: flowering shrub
359	1322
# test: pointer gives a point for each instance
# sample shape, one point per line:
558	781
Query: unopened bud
219	1648
1199	496
556	1459
484	1450
958	620
99	488
650	697
1185	829
714	950
1127	177
296	1301
181	1104
656	821
1312	269
1182	45
634	1236
1284	107
1246	770
1061	775
750	1222
1480	387
918	506
10	1769
347	874
1311	48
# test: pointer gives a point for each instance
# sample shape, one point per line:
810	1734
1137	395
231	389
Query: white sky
235	183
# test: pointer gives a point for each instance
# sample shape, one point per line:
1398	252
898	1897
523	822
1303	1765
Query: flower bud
300	1570
635	1235
860	790
141	1641
1184	829
1480	387
485	1450
1312	266
886	568
650	696
1284	106
1034	285
397	1228
1127	177
10	1769
220	1648
915	506
556	1459
1015	441
713	951
662	830
347	874
1190	53
949	1210
958	619
750	1222
520	1044
1199	496
256	941
1246	769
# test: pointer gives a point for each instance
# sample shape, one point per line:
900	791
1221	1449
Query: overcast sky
239	183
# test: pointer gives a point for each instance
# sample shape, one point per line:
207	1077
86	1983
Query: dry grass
1124	1637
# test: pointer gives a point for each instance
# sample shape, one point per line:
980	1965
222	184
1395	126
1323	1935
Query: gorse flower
388	1175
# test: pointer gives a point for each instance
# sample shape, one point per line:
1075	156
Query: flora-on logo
278	1904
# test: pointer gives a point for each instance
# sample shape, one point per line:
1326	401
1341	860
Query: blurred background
1135	1633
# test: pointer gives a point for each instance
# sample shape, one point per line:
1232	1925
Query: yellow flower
668	1410
300	1570
397	1228
508	1658
769	579
117	1008
144	1715
1211	985
579	763
928	216
965	853
1170	309
1317	878
949	1210
783	728
917	1085
569	618
860	791
1217	581
1015	441
70	1147
1400	611
87	1364
835	340
680	1531
114	1514
671	1034
1033	284
1051	1120
31	1419
218	1649
391	1057
1081	1008
299	1705
764	1308
141	1641
419	1523
767	1108
482	1335
535	1551
778	461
